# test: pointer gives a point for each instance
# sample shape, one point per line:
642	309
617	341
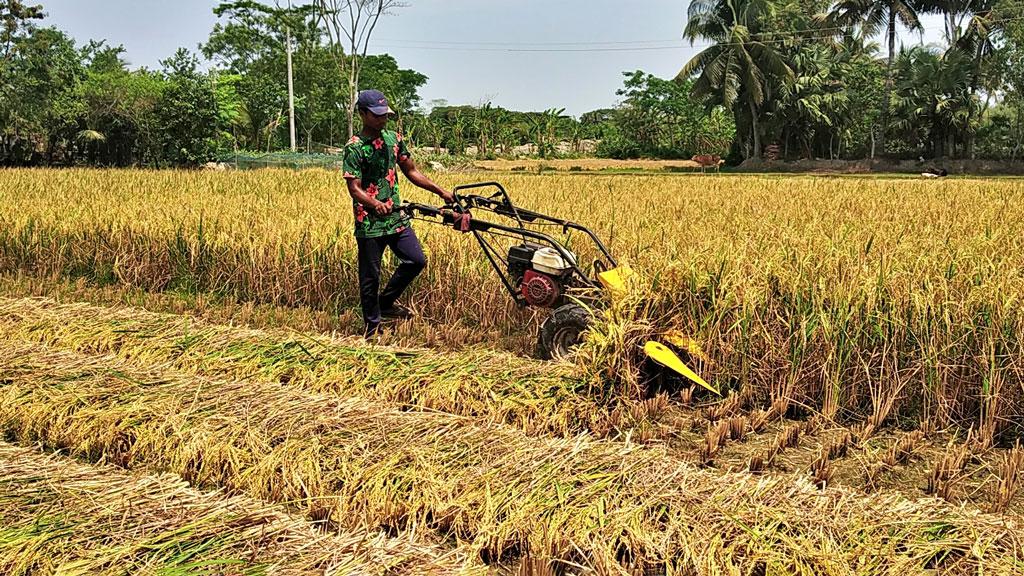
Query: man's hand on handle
382	208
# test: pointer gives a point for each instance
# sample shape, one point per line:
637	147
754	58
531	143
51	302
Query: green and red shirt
374	161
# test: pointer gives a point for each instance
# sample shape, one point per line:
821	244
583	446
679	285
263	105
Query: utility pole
291	88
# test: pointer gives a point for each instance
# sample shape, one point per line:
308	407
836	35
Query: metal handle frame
505	207
481	229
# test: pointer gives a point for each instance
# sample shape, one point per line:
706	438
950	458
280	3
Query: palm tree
871	16
934	104
978	43
739	67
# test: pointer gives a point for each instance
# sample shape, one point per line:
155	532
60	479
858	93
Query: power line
820	33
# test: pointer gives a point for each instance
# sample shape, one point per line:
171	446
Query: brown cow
708	160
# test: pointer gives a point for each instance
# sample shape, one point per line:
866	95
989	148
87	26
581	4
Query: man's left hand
447	196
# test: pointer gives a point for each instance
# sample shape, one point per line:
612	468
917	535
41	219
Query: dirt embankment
953	167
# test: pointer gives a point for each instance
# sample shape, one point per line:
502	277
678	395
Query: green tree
17	20
187	113
661	118
934	103
873	16
119	108
401	86
739	69
40	106
348	26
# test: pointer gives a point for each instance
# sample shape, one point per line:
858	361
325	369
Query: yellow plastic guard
614	280
662	355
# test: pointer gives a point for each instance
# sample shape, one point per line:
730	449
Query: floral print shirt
375	163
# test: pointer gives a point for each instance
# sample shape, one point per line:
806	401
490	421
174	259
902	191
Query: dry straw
62	517
595	503
492	386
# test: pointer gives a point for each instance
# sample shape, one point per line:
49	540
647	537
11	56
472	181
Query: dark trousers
407	247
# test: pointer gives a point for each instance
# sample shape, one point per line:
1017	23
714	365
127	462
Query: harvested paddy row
736	434
64	517
601	504
484	384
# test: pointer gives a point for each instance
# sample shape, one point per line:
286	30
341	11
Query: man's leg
407	247
370	252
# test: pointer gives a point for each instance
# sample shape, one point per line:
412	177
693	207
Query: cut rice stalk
58	516
600	504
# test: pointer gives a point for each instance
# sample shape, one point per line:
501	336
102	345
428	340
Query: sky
518	54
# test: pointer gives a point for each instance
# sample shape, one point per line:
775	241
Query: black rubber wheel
562	331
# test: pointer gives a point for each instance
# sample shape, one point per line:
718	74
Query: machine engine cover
539	289
520	259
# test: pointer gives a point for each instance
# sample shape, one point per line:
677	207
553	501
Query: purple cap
374	101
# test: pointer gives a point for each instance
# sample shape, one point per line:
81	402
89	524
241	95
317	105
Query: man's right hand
381	208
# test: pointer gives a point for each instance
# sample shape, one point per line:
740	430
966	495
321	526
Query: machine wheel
562	331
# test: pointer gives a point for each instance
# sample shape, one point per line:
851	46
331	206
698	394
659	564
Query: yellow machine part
666	357
614	280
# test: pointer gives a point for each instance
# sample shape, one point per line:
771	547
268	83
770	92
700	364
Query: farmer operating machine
539	271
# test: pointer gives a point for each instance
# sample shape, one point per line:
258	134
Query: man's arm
355	189
420	179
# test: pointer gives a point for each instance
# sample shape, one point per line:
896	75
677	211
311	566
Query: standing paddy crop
862	298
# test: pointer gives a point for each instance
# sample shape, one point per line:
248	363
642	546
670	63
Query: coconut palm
873	16
934	104
740	66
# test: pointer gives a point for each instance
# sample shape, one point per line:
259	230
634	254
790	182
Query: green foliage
39	104
69	105
661	119
933	101
187	112
801	75
797	76
119	105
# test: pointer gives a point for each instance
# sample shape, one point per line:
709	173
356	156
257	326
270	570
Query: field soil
586	164
957	167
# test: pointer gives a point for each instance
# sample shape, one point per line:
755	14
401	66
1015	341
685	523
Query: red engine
539	289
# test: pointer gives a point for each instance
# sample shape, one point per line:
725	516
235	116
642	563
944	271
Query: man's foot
371	330
396	312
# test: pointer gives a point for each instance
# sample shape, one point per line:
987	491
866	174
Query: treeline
74	105
786	78
68	105
805	78
656	118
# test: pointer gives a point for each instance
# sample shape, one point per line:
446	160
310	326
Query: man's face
373	121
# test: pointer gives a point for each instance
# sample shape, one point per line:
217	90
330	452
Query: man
369	169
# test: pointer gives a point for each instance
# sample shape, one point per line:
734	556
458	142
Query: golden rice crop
867	298
63	517
601	504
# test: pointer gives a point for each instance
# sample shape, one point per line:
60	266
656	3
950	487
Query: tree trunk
887	93
353	94
756	129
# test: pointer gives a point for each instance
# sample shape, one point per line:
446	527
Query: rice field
193	336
